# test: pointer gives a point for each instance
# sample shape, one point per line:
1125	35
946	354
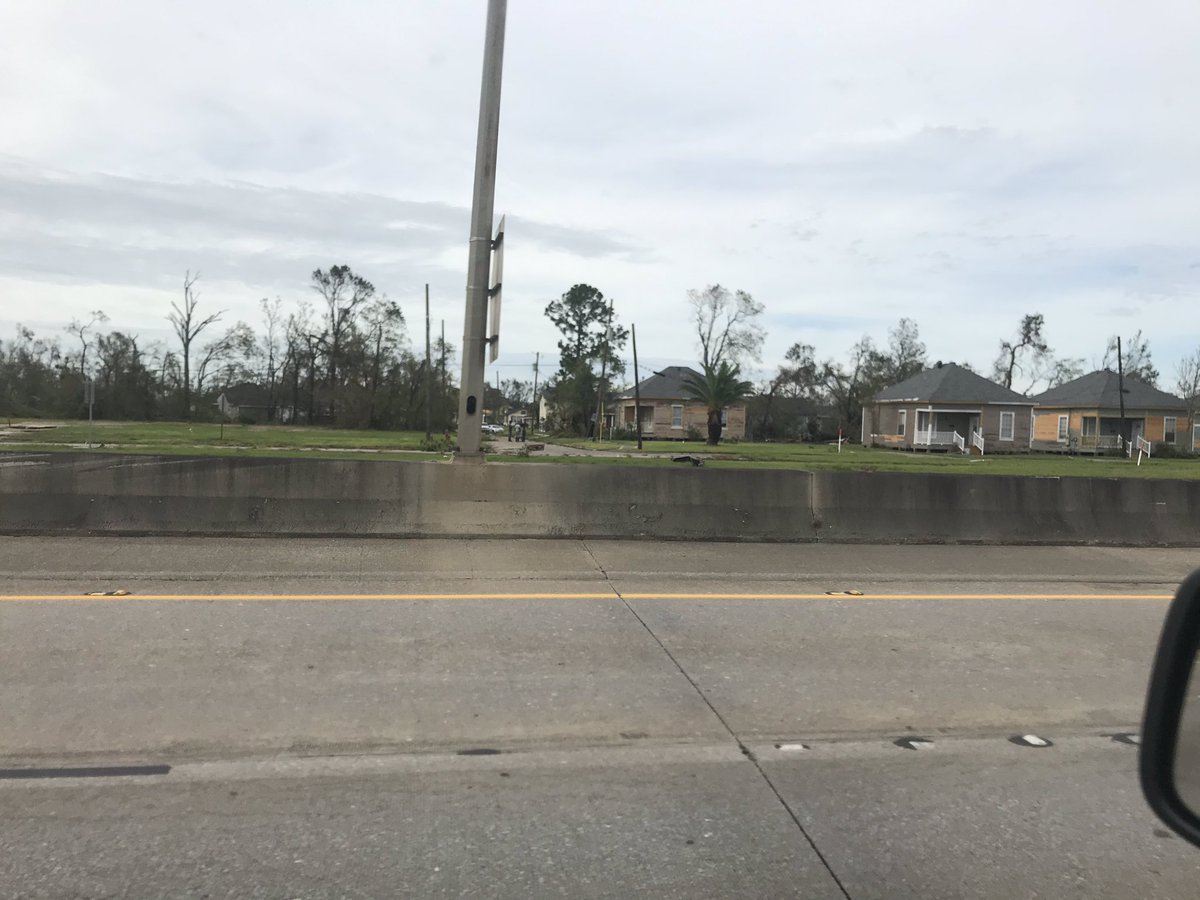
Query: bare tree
1028	338
269	350
80	329
234	350
907	353
343	293
188	325
1187	383
1046	372
1135	358
726	326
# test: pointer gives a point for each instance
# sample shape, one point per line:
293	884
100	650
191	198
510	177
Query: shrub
437	444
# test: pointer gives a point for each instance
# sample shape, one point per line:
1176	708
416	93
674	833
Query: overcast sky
960	163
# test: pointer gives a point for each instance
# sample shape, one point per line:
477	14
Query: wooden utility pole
1121	386
537	409
442	364
637	393
603	368
428	373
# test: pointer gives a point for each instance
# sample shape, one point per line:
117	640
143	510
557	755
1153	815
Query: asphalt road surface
306	718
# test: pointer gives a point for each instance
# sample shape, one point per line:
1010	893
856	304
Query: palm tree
717	388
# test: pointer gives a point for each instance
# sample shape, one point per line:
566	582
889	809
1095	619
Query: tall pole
428	373
603	365
470	401
537	409
637	392
442	366
1121	386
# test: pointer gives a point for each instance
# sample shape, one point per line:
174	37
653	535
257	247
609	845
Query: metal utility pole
428	373
537	408
637	393
1121	386
470	401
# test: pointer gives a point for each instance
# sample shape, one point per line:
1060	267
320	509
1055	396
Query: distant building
667	412
245	401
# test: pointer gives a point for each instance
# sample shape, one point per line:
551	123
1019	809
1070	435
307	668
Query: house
667	413
948	407
1085	415
243	402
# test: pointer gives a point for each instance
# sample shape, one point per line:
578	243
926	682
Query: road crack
741	745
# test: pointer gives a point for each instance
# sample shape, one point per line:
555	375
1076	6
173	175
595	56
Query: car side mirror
1169	761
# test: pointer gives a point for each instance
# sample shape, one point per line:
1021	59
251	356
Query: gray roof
948	383
664	385
246	394
1099	390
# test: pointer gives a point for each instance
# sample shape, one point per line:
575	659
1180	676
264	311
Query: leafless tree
344	293
79	328
269	350
1028	340
1187	383
726	325
188	324
1135	358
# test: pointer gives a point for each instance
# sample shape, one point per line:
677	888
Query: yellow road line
609	595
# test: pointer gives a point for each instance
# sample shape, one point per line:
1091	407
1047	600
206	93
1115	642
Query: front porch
948	430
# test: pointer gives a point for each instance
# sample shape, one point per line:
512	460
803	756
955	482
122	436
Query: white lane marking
792	747
1034	741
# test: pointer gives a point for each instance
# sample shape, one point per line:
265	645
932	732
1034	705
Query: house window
903	423
1169	430
677	416
724	418
1089	426
1007	421
1062	429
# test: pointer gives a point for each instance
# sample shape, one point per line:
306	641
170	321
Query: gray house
947	407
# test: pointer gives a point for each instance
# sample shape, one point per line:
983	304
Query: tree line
341	358
806	397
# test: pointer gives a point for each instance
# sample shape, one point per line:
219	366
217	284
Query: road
578	719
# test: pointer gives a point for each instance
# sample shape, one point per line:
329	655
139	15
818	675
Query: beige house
1085	415
668	414
949	408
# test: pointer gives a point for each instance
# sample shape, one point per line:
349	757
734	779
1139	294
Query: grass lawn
283	441
202	437
859	458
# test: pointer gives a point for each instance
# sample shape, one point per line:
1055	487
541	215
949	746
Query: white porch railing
1139	443
931	438
977	441
960	442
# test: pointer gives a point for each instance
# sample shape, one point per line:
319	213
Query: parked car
490	428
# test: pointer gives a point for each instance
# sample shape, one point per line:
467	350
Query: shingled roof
1099	390
949	383
665	385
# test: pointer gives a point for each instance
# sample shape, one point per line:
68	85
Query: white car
489	428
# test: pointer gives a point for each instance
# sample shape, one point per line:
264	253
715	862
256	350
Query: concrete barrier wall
176	495
355	497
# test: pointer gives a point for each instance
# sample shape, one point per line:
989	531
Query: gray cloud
119	230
